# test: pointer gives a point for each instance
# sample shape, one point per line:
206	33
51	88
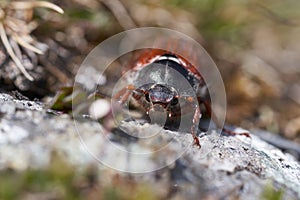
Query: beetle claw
197	142
244	134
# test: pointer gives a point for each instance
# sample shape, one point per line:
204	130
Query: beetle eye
147	97
174	101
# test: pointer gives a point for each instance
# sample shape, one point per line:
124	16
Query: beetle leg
137	95
194	127
196	119
124	93
213	117
208	108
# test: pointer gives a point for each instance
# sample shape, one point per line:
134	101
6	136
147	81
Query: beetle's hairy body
166	80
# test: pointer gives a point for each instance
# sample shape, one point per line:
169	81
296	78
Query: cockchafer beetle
157	95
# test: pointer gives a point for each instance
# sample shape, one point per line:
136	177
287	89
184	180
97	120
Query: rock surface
226	167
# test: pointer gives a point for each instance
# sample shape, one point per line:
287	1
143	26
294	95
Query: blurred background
255	44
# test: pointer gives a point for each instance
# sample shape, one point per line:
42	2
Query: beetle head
162	95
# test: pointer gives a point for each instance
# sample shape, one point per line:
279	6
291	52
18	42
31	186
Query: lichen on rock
226	167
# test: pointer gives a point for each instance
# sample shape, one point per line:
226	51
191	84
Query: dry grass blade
15	29
22	41
119	11
21	5
12	53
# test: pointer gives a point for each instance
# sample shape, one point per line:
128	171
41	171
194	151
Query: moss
270	193
10	184
144	193
111	194
60	180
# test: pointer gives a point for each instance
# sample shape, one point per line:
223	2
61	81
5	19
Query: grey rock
226	167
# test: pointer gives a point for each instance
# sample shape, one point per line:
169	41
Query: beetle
156	94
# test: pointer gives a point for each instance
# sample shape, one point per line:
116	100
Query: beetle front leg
124	93
194	128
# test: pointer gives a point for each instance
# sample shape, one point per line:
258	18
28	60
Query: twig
120	13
